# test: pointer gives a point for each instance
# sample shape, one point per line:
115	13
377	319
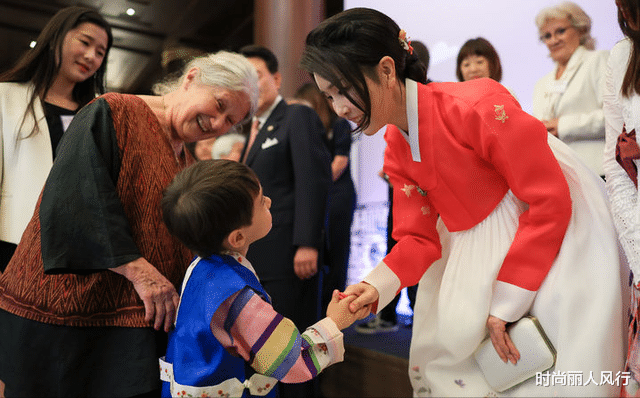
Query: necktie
255	128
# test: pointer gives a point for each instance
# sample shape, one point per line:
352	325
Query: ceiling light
131	12
32	44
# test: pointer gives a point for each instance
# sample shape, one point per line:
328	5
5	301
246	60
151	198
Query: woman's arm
623	194
80	206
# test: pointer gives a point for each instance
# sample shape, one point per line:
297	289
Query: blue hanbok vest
198	358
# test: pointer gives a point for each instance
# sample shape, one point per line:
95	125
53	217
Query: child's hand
366	294
338	310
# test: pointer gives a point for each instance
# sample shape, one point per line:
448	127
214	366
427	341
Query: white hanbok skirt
579	305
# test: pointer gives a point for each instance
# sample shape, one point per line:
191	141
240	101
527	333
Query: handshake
340	312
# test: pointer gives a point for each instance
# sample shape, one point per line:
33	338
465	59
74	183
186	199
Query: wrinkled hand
552	126
338	310
305	262
501	340
366	294
157	293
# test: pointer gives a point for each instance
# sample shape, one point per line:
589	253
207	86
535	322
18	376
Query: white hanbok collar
412	119
237	256
242	260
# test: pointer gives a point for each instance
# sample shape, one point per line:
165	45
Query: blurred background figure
477	58
342	195
228	146
622	121
386	320
568	100
422	52
285	148
202	148
39	96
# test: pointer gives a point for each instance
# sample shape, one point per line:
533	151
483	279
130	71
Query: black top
54	115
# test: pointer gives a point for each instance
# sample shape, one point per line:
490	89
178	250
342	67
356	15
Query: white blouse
621	111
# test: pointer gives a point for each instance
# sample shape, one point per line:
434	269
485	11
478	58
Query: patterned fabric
99	209
622	112
271	344
632	389
225	321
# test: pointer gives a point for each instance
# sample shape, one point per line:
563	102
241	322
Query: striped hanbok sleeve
248	326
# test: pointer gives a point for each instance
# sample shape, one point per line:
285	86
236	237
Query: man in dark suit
288	154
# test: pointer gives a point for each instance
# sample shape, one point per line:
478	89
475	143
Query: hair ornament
404	42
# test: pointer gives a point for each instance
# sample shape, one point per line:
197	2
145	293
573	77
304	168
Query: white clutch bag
536	355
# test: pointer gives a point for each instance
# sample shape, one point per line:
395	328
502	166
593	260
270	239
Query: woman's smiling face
203	111
83	51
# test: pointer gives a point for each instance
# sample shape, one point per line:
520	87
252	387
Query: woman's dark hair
349	45
39	66
631	82
481	47
207	201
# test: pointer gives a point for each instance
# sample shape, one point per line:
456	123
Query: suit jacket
576	100
25	163
293	165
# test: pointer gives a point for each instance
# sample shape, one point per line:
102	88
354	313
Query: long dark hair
631	82
349	45
39	66
482	47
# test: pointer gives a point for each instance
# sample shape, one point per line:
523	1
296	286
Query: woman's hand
157	293
366	293
552	126
338	310
501	340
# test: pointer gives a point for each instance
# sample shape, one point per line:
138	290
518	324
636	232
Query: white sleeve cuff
510	302
386	283
327	334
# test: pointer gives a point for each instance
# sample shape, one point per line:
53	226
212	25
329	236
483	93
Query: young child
225	320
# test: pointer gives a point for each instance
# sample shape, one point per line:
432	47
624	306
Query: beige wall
282	26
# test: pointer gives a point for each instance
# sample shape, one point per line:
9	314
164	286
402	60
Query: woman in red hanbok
494	217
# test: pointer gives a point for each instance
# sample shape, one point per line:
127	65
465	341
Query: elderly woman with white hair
568	100
93	283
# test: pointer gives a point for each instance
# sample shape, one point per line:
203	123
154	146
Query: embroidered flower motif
404	41
407	189
416	368
460	383
501	115
425	210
